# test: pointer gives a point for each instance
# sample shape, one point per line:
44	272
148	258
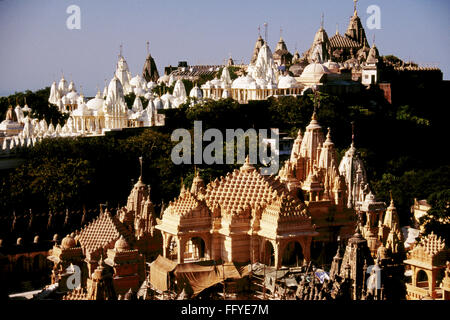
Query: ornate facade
428	263
238	218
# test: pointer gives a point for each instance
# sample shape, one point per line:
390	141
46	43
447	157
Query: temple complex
110	247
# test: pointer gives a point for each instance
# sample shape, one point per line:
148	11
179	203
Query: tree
437	219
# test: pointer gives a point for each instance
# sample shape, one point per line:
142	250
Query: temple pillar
180	250
277	254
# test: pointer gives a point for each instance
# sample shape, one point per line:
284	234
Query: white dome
215	83
138	82
95	104
72	86
72	97
82	110
196	93
139	92
315	69
163	79
158	103
137	105
179	91
287	82
167	97
243	82
151	85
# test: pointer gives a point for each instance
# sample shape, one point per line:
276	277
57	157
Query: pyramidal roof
242	189
185	204
150	71
101	232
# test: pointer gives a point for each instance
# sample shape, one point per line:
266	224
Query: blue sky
36	44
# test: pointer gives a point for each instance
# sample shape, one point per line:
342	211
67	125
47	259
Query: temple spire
140	162
266	27
353	133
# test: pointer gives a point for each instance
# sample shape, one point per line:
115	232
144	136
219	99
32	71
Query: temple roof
150	71
104	230
242	188
184	204
338	41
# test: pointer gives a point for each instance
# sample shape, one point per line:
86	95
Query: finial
266	27
259	31
281	33
390	195
148	47
140	162
373	42
353	132
316	102
120	51
321	21
337	28
354	5
329	133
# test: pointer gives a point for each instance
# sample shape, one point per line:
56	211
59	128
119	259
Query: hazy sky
36	44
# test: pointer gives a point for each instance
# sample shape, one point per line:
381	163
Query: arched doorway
292	254
268	257
195	249
422	279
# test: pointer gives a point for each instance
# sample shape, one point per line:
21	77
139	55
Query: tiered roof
433	244
243	188
101	232
287	205
339	41
185	204
430	253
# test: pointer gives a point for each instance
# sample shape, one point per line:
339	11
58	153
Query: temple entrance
422	279
292	255
195	249
268	254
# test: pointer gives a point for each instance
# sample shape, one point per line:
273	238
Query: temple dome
96	103
68	242
72	96
242	82
82	110
196	93
121	245
151	85
138	82
287	82
315	69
